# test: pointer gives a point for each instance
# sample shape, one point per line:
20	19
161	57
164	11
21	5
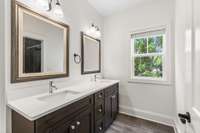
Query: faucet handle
95	77
51	83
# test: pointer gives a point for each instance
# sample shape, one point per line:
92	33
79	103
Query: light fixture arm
50	5
57	2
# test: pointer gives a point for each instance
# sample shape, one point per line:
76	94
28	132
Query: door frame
2	69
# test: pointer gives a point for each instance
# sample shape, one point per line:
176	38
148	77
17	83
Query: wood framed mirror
91	54
40	46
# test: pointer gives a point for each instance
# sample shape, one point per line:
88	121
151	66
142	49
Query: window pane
148	66
155	44
140	45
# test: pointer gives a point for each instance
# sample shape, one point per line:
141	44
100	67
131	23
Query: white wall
2	72
78	15
153	101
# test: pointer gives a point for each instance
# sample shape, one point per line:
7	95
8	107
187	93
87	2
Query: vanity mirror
91	54
40	46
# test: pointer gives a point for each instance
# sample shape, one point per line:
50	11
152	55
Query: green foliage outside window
155	44
141	46
150	65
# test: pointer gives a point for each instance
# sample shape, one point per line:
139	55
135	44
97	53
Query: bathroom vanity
85	111
88	107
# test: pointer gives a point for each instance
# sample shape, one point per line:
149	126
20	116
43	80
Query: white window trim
166	80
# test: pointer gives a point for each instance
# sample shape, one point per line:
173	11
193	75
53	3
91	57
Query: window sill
150	81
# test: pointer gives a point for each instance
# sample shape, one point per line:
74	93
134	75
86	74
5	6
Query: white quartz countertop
35	107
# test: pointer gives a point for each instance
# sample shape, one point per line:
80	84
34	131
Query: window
147	54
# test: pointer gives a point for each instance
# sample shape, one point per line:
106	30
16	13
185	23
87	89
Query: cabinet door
111	105
67	127
84	122
108	111
114	105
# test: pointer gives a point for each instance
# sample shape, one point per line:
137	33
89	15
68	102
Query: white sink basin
58	97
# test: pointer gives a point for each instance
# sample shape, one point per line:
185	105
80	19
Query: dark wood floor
127	124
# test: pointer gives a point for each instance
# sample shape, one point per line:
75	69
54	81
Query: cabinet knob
114	96
73	127
100	128
78	123
100	110
100	95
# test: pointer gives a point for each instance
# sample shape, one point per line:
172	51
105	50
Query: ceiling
108	7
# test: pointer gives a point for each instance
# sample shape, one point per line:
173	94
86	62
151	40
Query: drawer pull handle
113	97
100	95
100	128
100	110
73	127
78	123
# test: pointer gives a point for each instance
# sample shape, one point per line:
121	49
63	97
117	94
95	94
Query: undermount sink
58	97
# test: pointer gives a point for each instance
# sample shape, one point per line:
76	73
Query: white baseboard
148	115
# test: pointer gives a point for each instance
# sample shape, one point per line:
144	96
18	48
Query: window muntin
147	54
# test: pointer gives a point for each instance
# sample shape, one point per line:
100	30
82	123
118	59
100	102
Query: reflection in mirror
91	54
42	46
32	55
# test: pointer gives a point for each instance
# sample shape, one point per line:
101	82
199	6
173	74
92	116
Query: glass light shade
57	11
98	34
92	29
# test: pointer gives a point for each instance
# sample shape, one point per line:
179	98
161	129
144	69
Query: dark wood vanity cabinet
74	118
99	109
82	123
93	114
106	107
111	104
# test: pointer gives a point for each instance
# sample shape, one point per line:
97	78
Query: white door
187	58
194	94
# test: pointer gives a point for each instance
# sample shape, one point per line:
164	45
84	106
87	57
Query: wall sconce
57	10
94	31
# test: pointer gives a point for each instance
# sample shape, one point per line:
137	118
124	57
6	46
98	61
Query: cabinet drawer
99	127
99	96
99	111
67	112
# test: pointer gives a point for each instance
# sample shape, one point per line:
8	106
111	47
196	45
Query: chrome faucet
95	78
52	87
